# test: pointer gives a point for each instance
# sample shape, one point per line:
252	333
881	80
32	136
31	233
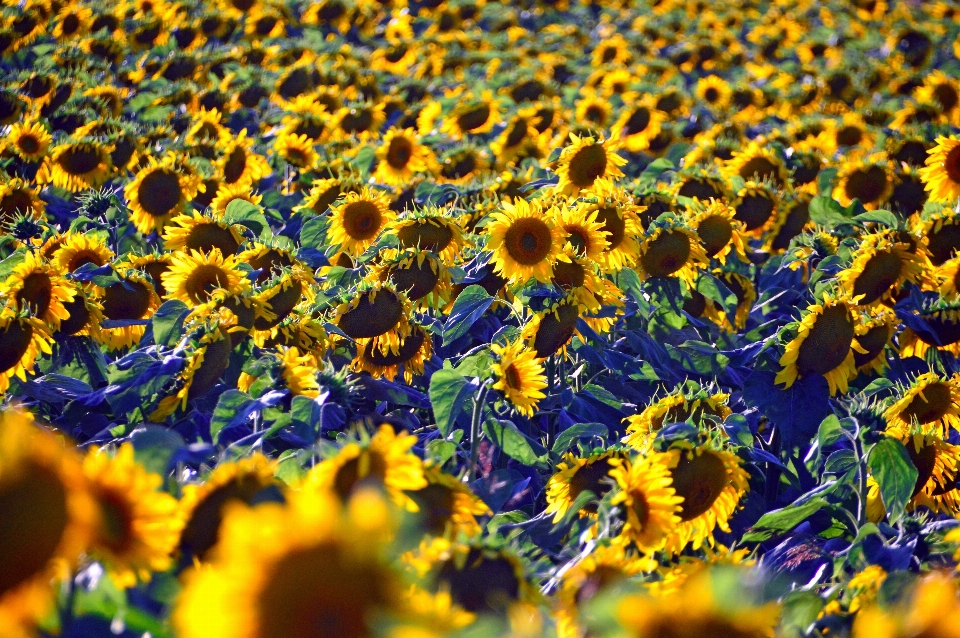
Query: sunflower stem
475	427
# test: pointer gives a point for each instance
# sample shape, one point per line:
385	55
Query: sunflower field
468	319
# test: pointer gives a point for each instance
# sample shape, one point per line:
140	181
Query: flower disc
159	193
931	406
417	280
715	232
370	319
699	480
881	272
528	241
126	300
666	254
828	343
555	330
588	164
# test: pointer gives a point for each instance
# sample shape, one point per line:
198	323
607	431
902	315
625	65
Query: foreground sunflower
930	608
525	241
650	504
306	568
930	401
137	525
941	175
585	162
46	523
381	461
76	166
823	345
78	250
22	339
519	376
356	222
37	287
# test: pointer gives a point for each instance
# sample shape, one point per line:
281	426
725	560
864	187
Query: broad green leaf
469	306
448	396
783	520
895	474
229	404
154	446
508	438
168	321
242	212
440	451
579	431
830	431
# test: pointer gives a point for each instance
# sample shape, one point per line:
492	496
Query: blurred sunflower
585	162
47	522
758	161
382	461
30	141
239	164
446	506
519	376
137	527
400	156
76	165
638	124
941	175
869	179
929	608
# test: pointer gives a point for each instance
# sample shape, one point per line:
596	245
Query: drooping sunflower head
239	164
195	275
550	329
474	115
585	161
382	461
137	528
414	350
869	179
619	216
941	175
195	231
687	404
159	191
757	205
823	345
930	401
47	519
519	376
358	218
29	140
874	333
574	476
76	165
881	265
375	310
759	161
432	229
671	250
296	150
525	240
719	229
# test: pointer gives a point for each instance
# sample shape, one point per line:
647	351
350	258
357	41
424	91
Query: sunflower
207	360
519	376
294	570
400	155
620	219
606	567
446	506
131	299
195	232
874	334
226	193
77	250
691	610
18	197
937	466
719	230
430	229
71	23
358	218
931	402
881	266
869	179
76	165
382	461
137	528
462	164
472	116
585	234
525	240
592	111
550	330
47	521
943	321
929	608
518	140
944	91
757	206
941	235
676	407
375	310
160	191
483	579
671	251
823	345
638	124
203	505
296	150
193	276
941	175
240	165
299	372
714	92
587	163
791	222
36	286
649	503
574	476
29	140
323	193
711	483
757	162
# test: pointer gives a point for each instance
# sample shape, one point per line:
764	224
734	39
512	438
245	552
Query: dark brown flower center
399	153
474	118
587	164
417	280
362	220
935	402
29	144
699	480
372	318
555	330
867	184
873	342
528	241
408	349
827	343
203	280
36	293
715	233
666	254
613	223
126	300
425	236
159	193
638	121
484	583
235	166
207	236
952	164
879	274
14	342
754	211
79	160
761	168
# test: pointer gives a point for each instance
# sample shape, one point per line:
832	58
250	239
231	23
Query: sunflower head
519	376
29	140
586	161
525	241
357	220
194	276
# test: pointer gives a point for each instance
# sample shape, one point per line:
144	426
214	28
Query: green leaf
11	262
579	431
290	469
799	610
653	171
827	211
830	431
313	234
167	322
154	446
242	212
448	393
469	306
884	217
895	473
476	364
229	404
440	451
508	438
783	520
